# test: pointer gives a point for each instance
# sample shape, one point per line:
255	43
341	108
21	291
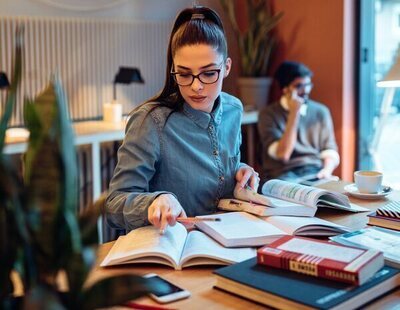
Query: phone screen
171	287
171	293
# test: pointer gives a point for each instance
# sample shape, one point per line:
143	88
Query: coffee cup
368	182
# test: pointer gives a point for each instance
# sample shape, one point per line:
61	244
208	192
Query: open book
251	202
176	248
241	229
309	196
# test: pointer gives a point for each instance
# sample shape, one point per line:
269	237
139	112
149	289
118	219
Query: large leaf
50	175
118	290
12	221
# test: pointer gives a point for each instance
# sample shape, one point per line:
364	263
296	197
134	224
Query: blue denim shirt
191	154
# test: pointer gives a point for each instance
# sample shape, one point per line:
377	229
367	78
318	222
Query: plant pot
254	92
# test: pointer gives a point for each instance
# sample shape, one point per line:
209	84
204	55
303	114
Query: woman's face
200	59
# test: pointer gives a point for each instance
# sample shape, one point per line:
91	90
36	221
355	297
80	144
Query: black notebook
290	290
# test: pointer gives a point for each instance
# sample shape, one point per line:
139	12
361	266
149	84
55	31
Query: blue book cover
282	288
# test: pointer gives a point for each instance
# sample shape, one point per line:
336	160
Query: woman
181	151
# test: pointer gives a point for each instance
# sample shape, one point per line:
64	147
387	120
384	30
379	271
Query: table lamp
125	75
390	82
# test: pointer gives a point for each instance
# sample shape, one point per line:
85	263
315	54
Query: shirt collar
202	118
285	106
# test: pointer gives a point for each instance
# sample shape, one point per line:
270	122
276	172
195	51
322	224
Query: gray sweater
315	134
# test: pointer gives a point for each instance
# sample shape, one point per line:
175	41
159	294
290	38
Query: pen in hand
198	219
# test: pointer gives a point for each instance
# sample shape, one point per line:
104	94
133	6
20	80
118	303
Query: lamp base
112	112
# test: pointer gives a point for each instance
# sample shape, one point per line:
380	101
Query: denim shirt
191	154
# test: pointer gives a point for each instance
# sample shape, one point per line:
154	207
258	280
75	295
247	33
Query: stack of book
295	272
387	216
284	289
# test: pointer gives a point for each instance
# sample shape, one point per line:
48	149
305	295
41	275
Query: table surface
200	280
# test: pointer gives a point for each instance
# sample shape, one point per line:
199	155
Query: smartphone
173	293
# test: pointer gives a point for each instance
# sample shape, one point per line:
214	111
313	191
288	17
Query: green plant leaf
118	290
15	81
256	43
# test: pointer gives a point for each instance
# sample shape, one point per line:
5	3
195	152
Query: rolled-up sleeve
129	197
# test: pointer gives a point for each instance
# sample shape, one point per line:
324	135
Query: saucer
353	191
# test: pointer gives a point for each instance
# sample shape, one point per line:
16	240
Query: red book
321	259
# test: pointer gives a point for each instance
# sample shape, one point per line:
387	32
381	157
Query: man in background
296	132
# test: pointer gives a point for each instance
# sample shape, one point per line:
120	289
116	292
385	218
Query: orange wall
321	35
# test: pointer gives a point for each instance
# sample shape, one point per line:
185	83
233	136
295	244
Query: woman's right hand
164	211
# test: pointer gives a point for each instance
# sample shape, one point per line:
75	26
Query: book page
305	226
240	229
293	192
251	196
145	244
310	196
319	249
200	249
385	240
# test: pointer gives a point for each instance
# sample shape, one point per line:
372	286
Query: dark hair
288	71
197	25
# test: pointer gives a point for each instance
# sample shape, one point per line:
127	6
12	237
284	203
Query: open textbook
309	196
251	202
176	248
376	238
241	229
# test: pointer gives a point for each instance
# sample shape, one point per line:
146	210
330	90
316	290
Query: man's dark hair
288	71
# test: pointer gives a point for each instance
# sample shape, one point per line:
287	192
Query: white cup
368	182
112	112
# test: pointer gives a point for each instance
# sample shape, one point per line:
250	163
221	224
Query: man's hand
164	210
324	174
247	175
294	101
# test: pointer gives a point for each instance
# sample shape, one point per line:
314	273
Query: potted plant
256	44
41	235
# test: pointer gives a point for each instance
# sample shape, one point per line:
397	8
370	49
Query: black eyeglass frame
299	86
197	76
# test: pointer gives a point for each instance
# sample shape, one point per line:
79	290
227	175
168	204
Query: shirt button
215	152
221	178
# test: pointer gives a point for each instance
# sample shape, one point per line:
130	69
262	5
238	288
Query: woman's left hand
247	175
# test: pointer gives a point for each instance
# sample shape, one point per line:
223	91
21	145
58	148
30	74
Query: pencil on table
198	219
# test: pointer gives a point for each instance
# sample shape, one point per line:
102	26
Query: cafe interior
110	57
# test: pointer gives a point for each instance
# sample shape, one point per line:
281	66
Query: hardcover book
284	289
309	196
383	221
240	229
176	248
321	259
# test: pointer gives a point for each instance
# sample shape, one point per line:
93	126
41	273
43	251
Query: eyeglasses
205	77
305	86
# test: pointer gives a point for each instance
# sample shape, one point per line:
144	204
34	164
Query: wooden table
200	281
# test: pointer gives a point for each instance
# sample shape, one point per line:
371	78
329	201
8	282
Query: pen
198	219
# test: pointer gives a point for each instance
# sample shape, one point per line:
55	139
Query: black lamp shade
4	80
128	75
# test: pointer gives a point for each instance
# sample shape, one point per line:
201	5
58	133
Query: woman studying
181	152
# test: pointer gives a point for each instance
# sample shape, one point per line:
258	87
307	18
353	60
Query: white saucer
353	191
